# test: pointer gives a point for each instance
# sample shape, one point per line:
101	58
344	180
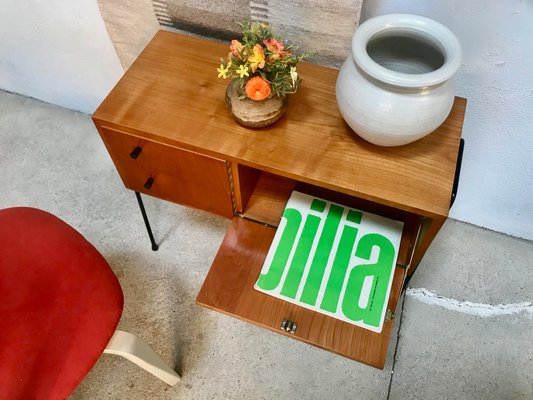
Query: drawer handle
135	153
149	182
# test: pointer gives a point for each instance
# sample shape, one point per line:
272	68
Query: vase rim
414	26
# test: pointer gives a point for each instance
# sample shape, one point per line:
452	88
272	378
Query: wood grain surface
268	201
172	94
229	288
244	181
179	176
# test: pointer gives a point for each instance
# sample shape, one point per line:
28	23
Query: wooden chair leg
139	352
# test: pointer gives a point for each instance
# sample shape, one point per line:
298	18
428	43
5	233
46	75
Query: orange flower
275	47
257	88
235	48
257	60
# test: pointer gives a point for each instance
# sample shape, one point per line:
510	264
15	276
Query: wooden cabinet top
171	94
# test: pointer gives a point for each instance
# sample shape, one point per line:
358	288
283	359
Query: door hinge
288	326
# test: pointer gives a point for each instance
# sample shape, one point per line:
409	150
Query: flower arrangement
261	64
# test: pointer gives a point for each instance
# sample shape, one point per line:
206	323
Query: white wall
57	51
496	187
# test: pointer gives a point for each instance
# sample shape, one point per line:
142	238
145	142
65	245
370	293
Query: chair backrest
60	304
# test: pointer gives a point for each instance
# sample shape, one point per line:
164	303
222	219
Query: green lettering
380	271
340	265
272	278
303	249
323	250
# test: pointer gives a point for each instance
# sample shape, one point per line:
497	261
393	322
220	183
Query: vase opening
404	53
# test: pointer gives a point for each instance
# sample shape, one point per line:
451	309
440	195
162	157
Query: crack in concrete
466	307
396	350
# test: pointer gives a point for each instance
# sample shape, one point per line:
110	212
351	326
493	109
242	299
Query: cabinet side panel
245	180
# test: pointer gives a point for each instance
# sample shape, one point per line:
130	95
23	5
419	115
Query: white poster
334	260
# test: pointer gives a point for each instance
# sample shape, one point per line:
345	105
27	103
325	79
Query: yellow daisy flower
242	71
222	71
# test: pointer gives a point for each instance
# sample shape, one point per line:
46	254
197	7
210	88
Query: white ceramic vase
397	85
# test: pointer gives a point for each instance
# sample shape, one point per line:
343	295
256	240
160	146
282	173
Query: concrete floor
53	159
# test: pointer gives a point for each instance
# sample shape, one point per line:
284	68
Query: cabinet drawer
170	173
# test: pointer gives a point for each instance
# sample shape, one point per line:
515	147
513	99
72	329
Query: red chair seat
60	304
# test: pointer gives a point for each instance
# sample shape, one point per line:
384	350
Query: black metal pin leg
457	171
454	191
146	222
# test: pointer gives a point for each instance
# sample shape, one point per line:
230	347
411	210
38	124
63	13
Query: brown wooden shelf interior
268	199
271	193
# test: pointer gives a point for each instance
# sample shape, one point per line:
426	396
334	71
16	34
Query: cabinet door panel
229	288
178	175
